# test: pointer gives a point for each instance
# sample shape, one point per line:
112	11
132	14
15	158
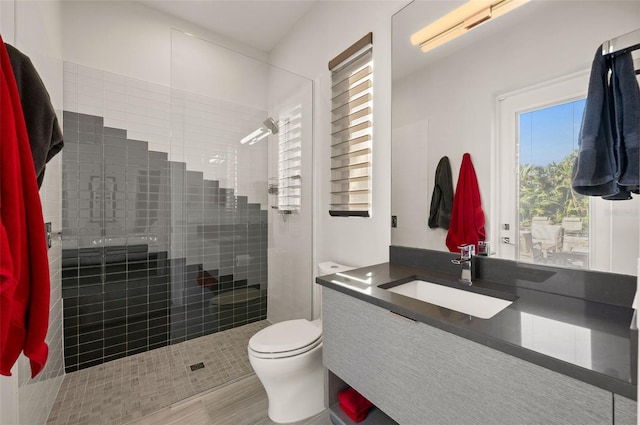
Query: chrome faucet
466	253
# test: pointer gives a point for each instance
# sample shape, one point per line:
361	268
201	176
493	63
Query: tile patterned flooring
118	392
242	402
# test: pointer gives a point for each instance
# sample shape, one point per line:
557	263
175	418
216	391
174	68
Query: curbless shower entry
244	130
176	247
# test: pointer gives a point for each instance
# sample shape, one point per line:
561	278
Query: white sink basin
474	304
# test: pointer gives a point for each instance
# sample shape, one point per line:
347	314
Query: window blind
351	129
290	161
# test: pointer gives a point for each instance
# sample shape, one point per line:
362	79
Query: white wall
35	29
200	66
128	38
234	88
449	107
325	31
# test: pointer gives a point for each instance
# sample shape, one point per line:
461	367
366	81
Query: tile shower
119	284
169	232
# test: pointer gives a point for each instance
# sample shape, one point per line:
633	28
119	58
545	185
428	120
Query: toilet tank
325	268
330	267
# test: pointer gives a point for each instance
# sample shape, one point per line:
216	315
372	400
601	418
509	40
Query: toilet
287	358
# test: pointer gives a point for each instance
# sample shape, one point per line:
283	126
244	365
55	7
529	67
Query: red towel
467	217
24	266
354	404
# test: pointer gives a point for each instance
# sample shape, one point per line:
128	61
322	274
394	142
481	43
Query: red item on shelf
354	404
354	416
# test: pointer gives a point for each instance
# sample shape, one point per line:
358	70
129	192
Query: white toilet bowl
287	358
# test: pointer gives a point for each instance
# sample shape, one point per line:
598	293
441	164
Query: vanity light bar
461	20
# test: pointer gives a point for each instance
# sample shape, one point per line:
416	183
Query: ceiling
257	23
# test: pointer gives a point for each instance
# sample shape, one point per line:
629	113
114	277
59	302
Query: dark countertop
586	340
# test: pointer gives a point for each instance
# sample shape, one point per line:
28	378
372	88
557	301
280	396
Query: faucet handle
467	251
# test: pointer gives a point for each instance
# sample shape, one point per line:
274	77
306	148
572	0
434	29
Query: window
535	215
290	161
553	220
538	130
351	129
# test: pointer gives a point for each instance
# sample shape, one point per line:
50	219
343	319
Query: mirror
472	95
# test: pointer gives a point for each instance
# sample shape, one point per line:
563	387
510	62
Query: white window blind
290	161
351	129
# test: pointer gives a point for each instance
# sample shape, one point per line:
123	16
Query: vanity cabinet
624	411
416	373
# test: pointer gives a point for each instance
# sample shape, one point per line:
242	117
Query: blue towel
627	111
607	162
594	168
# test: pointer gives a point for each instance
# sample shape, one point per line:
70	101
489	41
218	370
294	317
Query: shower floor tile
122	390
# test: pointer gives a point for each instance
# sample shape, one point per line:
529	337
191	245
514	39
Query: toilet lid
285	336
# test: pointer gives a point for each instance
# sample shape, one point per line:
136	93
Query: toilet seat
285	339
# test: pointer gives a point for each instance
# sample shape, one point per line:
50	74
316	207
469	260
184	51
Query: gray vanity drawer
419	374
624	410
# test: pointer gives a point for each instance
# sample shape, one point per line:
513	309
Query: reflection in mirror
570	343
355	286
510	92
354	283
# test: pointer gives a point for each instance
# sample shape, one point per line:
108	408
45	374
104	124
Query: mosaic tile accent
128	388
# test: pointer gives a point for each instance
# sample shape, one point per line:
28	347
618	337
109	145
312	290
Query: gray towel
594	170
607	163
45	136
442	198
627	111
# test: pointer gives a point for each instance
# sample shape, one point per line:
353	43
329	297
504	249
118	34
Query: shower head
271	125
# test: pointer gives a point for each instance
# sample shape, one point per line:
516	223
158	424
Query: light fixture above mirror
461	20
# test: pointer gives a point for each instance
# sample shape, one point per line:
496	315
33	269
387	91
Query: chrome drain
197	366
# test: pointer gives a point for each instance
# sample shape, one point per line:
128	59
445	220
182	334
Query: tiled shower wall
36	396
160	244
